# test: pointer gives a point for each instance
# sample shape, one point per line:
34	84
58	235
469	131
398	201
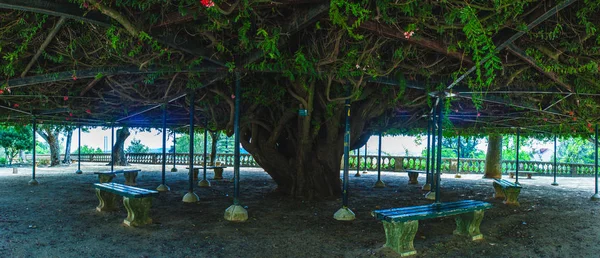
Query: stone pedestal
467	224
33	182
218	173
195	173
399	236
105	178
130	178
138	211
108	201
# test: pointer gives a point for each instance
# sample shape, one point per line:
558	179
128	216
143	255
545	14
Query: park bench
507	190
401	224
529	174
129	174
413	176
137	201
218	171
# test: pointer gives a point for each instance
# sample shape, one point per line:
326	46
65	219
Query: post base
457	176
344	214
236	213
33	182
204	183
364	172
555	184
426	187
379	184
595	197
174	169
430	195
163	188
357	174
191	197
79	172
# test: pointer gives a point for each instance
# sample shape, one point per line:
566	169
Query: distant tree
576	150
137	147
51	133
87	150
14	139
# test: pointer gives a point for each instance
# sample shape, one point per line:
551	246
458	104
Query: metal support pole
163	186
366	161
204	182
427	185
345	213
433	148
596	197
458	158
236	212
439	152
190	196
33	181
112	146
554	168
517	161
174	169
357	163
379	183
79	151
236	142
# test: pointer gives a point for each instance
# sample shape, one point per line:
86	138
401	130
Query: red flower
574	118
571	113
88	111
16	105
65	98
478	114
589	124
232	96
1	91
67	118
207	3
70	114
74	77
545	119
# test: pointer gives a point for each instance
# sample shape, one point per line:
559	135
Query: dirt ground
58	218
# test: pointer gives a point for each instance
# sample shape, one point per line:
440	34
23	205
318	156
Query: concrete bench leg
512	196
103	178
499	194
400	235
108	201
138	211
467	224
130	178
412	178
218	173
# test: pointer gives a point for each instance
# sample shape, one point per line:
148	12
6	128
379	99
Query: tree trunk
214	136
67	159
118	149
493	165
22	156
51	135
302	153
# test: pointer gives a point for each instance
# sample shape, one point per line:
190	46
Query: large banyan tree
504	64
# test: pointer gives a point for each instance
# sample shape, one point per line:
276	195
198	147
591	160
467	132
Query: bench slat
430	211
117	171
506	184
410	209
125	190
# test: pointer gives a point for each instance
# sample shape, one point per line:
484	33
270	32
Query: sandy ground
58	219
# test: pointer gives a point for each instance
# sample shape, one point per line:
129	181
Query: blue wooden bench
401	224
137	201
129	174
508	191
